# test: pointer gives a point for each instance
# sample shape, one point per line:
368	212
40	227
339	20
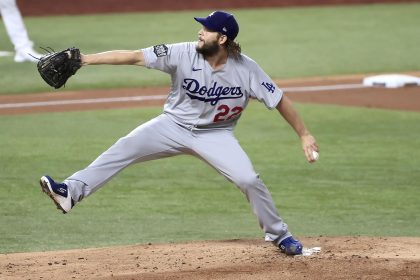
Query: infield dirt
407	98
340	258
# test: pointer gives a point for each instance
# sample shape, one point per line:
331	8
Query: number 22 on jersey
227	113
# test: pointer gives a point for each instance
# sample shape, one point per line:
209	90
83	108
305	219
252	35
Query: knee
247	182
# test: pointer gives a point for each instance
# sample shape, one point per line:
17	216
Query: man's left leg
221	150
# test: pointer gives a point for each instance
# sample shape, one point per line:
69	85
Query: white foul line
3	53
83	101
318	88
156	97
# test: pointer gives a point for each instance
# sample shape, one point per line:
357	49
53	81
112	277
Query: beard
208	49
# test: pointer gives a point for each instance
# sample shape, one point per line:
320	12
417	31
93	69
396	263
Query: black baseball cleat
291	246
58	193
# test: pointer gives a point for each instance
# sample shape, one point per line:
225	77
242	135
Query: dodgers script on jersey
204	98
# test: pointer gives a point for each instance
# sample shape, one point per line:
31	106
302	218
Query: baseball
315	155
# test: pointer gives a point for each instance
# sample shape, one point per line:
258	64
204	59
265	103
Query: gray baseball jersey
203	97
199	114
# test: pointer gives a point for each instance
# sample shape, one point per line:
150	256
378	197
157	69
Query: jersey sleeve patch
160	50
268	86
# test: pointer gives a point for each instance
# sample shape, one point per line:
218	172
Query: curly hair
233	49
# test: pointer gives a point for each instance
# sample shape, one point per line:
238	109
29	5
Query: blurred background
46	7
308	38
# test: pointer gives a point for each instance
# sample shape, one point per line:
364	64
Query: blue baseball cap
222	22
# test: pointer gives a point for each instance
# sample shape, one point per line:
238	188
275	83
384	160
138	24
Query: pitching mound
340	258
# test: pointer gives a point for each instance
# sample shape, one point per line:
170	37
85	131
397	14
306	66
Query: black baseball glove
57	67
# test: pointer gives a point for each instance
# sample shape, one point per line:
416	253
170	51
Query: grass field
292	42
366	182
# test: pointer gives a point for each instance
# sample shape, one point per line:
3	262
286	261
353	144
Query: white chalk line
3	53
326	87
83	101
154	97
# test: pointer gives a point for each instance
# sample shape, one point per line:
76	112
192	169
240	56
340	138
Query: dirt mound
340	258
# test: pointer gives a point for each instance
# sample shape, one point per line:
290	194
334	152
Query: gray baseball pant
162	137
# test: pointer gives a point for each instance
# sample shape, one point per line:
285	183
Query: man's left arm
289	113
116	57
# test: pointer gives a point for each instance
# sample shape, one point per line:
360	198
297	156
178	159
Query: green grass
288	42
366	182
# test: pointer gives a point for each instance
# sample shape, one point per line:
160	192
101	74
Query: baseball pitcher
212	82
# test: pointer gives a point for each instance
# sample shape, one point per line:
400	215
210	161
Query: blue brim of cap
204	22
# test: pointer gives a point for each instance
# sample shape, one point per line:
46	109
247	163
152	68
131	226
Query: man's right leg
155	139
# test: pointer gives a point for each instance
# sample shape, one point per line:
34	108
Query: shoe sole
47	190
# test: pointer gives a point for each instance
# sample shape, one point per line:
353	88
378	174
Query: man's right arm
115	58
290	114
